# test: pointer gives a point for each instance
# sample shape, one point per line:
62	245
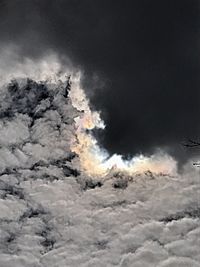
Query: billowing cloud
53	213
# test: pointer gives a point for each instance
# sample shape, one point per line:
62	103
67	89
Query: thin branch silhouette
191	143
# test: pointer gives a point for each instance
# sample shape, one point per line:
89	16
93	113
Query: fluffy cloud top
53	214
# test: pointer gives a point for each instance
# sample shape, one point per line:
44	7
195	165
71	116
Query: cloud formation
140	67
54	214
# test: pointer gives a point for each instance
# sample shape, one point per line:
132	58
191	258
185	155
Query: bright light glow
96	161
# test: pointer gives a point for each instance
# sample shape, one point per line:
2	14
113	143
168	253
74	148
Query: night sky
140	58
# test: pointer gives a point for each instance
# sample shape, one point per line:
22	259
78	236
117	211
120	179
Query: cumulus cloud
52	213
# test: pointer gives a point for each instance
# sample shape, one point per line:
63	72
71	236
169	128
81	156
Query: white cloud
53	214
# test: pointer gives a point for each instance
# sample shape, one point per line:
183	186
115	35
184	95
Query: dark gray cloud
146	54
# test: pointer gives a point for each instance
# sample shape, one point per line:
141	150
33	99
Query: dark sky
145	54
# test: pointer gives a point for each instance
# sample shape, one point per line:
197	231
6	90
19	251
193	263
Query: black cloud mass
140	58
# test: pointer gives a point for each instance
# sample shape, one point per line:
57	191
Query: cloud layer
53	214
